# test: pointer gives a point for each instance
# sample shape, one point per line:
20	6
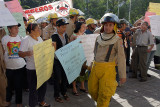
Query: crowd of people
107	71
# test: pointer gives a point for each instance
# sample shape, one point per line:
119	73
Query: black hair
31	26
14	25
24	19
78	26
138	24
146	23
71	17
9	27
149	27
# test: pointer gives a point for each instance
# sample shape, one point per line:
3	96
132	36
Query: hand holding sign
43	57
72	58
88	42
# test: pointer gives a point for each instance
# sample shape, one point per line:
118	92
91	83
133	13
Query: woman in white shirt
80	28
14	64
26	51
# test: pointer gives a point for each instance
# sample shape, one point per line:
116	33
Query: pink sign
148	14
14	6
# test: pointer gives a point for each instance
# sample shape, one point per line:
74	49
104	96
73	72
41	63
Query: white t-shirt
27	45
11	46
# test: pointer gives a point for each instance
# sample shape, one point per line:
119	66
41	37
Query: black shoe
148	75
142	80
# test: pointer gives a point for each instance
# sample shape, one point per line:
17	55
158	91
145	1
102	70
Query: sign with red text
60	7
14	7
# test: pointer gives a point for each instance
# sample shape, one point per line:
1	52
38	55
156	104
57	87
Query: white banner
1	3
155	25
88	43
6	17
60	7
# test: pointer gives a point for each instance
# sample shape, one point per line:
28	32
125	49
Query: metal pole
130	10
107	5
87	8
118	8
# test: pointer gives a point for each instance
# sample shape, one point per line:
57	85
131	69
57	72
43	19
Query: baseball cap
61	21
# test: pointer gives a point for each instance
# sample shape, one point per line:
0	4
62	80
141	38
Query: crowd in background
17	66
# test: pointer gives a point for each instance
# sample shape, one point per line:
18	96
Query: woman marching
80	28
108	52
26	51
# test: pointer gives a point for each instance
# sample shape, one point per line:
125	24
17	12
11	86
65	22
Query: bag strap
109	53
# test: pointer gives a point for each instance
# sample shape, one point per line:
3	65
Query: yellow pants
102	82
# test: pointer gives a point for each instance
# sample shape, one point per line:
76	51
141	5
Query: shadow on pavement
139	94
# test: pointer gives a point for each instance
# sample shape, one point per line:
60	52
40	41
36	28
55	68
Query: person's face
43	24
149	29
123	26
81	20
139	24
53	21
36	31
25	23
13	30
62	28
76	17
144	27
99	24
108	27
93	26
83	28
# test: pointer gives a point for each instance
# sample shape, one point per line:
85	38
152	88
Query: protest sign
61	7
14	6
88	43
154	7
72	57
147	16
155	25
19	19
6	17
43	57
17	11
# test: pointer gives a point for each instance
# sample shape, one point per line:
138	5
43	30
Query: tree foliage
26	4
97	8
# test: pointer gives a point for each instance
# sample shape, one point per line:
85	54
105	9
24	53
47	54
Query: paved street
131	94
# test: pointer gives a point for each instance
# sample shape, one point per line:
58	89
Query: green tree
26	4
97	8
